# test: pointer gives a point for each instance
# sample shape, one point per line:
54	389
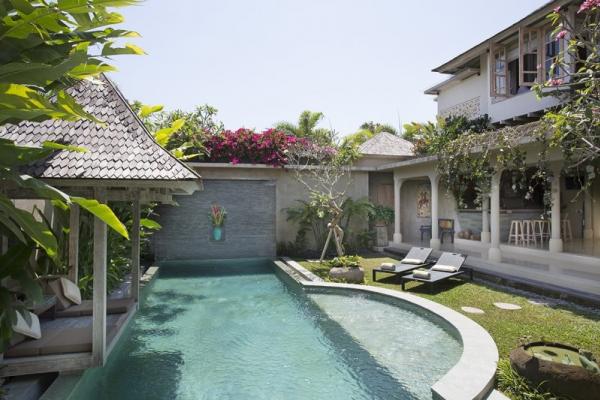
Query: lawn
559	321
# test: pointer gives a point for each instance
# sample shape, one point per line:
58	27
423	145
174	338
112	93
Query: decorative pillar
74	243
135	249
397	209
434	243
99	295
485	219
556	244
588	221
494	253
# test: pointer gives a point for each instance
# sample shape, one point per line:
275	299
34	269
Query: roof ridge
140	124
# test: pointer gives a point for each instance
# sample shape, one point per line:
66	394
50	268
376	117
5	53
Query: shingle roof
386	144
121	149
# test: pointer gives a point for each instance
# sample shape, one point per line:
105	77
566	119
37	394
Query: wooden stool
542	229
516	232
529	232
565	230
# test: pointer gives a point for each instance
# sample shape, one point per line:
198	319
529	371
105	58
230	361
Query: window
551	52
529	49
499	72
513	77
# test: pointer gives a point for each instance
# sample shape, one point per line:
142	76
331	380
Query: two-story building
509	235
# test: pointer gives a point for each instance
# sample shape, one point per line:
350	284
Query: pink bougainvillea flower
588	5
561	35
557	9
555	82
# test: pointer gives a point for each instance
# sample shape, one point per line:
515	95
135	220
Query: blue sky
264	61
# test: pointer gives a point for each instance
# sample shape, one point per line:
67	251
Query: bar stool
565	229
529	232
516	232
542	229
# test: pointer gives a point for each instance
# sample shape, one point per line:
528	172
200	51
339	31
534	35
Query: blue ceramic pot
217	232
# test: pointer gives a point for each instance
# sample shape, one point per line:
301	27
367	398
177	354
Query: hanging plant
217	215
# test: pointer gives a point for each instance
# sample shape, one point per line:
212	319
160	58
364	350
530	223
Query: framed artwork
424	201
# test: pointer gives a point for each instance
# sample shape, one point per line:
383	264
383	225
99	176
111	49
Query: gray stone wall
249	228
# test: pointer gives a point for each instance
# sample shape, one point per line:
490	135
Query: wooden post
135	249
74	243
99	296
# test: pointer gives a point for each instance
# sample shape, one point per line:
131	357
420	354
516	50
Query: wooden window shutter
498	71
530	56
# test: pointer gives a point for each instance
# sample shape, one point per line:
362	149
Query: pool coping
472	377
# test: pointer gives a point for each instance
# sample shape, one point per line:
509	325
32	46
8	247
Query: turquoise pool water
215	330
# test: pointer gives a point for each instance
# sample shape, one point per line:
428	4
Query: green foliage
365	132
383	214
344	262
307	128
46	48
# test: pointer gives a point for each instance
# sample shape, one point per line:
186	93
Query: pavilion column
397	209
435	243
556	244
74	243
588	221
99	295
485	219
135	249
494	253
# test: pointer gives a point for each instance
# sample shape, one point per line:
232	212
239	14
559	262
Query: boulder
350	275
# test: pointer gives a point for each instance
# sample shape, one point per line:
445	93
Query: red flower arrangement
246	146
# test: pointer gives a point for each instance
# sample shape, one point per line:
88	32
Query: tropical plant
383	214
217	215
344	262
46	47
307	128
365	132
575	80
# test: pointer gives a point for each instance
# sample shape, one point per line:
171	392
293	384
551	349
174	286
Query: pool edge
472	377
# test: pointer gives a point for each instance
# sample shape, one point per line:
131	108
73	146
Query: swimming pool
243	330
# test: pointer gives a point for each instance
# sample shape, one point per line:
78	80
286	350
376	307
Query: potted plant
217	218
383	216
347	269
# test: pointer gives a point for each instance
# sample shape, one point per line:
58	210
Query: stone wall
249	228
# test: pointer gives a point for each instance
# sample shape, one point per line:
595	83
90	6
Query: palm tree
366	131
307	128
376	127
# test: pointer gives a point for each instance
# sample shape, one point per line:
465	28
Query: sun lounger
415	258
449	265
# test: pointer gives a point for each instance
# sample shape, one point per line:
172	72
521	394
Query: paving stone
507	306
472	310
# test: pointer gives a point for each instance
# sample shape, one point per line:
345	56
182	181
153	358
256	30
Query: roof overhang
458	77
456	64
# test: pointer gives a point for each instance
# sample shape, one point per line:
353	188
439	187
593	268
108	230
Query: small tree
575	79
322	170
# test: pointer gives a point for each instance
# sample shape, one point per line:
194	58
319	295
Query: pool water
216	330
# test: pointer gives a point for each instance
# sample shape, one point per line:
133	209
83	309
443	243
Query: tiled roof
386	144
121	149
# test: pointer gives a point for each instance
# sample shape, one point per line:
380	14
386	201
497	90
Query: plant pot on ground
559	368
346	269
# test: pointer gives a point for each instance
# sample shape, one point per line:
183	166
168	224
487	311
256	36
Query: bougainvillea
246	146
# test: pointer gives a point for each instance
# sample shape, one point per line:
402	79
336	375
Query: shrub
344	262
517	387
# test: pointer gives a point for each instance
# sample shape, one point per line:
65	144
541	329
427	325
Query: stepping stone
507	306
472	310
540	303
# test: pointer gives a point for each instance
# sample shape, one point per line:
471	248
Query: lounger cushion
32	329
113	306
412	261
421	273
70	291
444	268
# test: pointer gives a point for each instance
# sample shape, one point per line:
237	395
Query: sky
264	61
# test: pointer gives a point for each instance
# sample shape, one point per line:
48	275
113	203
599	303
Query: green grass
563	322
